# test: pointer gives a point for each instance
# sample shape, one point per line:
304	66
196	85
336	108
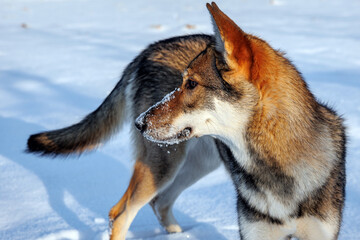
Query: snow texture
60	58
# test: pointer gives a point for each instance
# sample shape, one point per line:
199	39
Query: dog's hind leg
153	170
201	159
140	190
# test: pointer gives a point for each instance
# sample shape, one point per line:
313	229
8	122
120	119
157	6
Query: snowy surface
60	58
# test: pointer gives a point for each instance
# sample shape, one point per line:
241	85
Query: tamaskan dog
200	100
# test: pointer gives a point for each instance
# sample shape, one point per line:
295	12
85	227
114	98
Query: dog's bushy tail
96	127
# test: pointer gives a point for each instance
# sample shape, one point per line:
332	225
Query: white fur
225	122
266	231
277	208
266	202
312	228
129	95
310	178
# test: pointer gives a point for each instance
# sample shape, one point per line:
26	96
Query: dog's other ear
231	42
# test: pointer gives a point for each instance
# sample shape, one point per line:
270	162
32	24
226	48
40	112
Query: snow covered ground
60	58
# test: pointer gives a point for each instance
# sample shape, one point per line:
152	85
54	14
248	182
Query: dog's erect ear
231	41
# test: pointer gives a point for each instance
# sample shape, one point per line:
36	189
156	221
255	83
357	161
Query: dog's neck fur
278	128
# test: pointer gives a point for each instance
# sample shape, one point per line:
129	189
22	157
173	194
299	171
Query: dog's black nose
140	125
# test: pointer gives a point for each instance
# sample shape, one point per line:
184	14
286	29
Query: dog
284	150
200	100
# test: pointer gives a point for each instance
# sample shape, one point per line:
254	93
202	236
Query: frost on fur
175	139
141	118
158	134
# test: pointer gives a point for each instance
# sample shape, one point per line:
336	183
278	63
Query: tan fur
141	190
236	45
149	178
284	97
166	56
43	139
311	228
170	107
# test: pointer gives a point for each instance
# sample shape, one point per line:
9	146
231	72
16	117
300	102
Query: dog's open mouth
175	139
179	137
184	133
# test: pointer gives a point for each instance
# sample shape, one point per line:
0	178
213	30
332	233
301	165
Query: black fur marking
219	66
271	176
152	74
33	145
120	212
239	175
251	214
190	106
134	190
312	205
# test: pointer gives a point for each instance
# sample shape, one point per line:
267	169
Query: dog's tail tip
42	145
39	144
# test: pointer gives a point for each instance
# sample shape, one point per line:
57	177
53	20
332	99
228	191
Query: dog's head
218	95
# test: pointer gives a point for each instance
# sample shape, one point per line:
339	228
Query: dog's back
154	73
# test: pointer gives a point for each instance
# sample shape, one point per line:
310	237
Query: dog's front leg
251	229
314	227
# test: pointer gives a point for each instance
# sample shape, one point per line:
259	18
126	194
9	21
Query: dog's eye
191	84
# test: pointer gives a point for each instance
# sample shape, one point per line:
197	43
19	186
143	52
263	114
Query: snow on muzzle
156	124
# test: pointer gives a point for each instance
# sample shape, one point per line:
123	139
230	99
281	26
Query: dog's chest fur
263	191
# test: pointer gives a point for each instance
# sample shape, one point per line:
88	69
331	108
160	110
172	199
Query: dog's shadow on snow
81	191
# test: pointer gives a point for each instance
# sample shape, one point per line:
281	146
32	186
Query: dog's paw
173	228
